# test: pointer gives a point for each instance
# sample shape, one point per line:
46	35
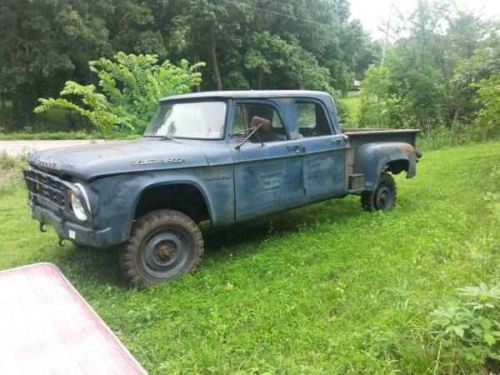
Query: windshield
201	120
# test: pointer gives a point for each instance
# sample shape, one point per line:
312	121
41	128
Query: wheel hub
165	252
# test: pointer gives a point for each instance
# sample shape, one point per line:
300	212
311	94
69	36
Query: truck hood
94	160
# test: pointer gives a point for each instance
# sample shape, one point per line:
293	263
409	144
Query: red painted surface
46	327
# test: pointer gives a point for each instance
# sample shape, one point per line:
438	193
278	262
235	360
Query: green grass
62	135
49	135
327	289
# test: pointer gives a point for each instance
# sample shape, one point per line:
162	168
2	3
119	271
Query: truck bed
361	136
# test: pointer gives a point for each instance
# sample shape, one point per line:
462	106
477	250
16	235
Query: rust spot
407	148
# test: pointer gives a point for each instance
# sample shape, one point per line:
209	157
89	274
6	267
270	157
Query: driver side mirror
255	124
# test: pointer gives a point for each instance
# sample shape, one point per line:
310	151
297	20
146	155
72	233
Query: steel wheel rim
165	252
383	198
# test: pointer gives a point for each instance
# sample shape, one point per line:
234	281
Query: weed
471	326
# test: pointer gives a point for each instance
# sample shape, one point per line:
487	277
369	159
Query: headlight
77	204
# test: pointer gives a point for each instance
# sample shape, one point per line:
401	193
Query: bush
379	106
128	91
471	327
488	119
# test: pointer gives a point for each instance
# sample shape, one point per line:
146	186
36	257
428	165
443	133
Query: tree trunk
215	64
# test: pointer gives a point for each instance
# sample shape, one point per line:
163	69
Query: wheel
164	244
383	198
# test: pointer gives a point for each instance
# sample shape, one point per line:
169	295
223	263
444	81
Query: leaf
489	339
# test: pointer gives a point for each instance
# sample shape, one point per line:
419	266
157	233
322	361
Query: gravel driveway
21	148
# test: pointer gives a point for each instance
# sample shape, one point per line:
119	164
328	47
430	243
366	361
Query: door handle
298	149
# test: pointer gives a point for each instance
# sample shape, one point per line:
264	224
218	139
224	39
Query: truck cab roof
251	94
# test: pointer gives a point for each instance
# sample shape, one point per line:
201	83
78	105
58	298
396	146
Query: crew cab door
268	171
324	151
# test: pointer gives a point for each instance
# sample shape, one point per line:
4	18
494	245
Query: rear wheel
164	244
383	197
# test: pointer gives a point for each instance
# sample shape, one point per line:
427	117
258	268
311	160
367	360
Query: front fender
372	159
120	194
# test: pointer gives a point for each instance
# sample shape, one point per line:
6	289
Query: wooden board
46	327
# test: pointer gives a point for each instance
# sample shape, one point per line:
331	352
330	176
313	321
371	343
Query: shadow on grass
98	266
249	236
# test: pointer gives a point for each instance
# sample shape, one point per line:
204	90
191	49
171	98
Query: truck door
324	152
268	171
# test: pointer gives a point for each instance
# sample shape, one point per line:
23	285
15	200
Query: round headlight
77	206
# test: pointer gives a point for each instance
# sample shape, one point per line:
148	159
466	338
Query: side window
249	116
312	120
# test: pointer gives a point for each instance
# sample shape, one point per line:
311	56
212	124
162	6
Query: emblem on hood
159	161
47	164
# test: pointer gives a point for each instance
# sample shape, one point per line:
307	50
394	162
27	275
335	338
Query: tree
488	119
428	72
43	43
128	91
245	43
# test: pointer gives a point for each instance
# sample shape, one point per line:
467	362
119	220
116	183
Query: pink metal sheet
46	327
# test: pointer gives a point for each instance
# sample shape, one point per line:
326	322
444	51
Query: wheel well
397	166
185	198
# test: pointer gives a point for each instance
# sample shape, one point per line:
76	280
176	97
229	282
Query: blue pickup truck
225	157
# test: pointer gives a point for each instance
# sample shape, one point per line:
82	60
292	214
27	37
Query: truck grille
46	190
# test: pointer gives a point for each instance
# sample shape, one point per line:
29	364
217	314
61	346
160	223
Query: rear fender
372	159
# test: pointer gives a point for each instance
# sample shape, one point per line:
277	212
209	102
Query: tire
164	245
383	198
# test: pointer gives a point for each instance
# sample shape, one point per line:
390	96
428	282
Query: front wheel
164	244
383	197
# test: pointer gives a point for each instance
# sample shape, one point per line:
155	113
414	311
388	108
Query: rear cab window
312	120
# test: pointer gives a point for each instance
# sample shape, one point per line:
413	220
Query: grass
61	135
47	135
324	289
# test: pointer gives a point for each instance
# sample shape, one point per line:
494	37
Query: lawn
326	289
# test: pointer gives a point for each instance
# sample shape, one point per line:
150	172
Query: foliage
428	76
246	44
471	327
129	89
10	169
349	110
488	94
379	107
323	289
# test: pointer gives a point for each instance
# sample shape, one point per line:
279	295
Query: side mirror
254	130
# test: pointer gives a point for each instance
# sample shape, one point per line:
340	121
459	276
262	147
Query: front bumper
74	232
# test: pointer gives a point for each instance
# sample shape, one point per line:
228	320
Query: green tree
128	91
246	44
488	119
428	72
42	44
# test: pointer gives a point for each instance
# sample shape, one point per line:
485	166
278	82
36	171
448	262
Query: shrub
379	106
488	96
471	327
128	91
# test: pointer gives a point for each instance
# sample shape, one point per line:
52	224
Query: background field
323	289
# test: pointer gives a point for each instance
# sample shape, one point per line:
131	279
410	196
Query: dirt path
20	148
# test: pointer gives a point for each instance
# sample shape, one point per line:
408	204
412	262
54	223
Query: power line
276	13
